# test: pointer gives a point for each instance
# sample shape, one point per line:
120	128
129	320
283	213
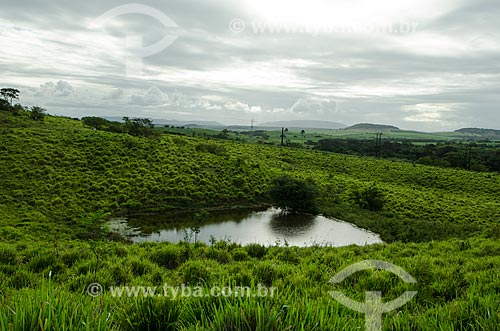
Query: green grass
458	291
60	181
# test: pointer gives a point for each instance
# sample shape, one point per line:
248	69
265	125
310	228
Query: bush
195	272
240	254
211	148
7	256
371	198
168	257
150	314
294	195
256	250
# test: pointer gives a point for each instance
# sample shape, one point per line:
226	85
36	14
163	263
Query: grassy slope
58	175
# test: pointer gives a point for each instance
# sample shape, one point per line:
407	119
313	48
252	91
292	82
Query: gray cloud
445	75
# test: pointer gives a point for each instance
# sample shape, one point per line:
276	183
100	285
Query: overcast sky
428	65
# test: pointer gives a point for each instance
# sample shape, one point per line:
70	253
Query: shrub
256	250
7	256
294	195
150	314
267	272
211	148
240	254
371	198
195	272
168	257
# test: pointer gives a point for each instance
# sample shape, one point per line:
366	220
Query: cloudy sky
419	64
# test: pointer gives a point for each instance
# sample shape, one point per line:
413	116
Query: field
60	181
294	135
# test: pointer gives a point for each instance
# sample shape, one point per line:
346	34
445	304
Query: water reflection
291	225
266	227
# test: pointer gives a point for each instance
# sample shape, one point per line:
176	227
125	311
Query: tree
303	133
371	198
294	195
5	105
37	113
138	126
9	94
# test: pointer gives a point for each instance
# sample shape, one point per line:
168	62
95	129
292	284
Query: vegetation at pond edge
294	195
61	178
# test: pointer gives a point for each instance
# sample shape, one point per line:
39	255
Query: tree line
8	95
471	156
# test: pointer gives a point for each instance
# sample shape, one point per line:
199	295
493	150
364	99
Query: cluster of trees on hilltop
473	156
139	127
8	95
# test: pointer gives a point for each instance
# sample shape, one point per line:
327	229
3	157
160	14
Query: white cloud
152	97
51	89
436	115
314	106
434	77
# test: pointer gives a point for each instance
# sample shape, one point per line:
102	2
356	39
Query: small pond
266	227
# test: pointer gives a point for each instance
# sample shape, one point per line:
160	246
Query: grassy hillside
57	173
60	180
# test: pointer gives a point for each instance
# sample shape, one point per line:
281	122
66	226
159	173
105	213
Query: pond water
266	227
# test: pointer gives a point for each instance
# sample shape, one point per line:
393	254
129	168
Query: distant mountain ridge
304	124
370	126
481	132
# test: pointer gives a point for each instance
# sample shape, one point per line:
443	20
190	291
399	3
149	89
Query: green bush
240	254
371	198
168	257
294	195
7	256
195	272
256	250
150	314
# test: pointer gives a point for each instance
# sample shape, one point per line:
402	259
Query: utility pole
469	157
378	145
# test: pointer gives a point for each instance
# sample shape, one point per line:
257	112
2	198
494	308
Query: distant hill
372	127
481	132
190	124
304	124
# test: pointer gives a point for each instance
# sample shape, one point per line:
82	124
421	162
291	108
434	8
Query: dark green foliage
211	148
195	272
7	255
151	314
371	198
256	250
477	156
5	105
99	123
9	94
294	195
240	254
37	113
267	273
168	257
139	127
